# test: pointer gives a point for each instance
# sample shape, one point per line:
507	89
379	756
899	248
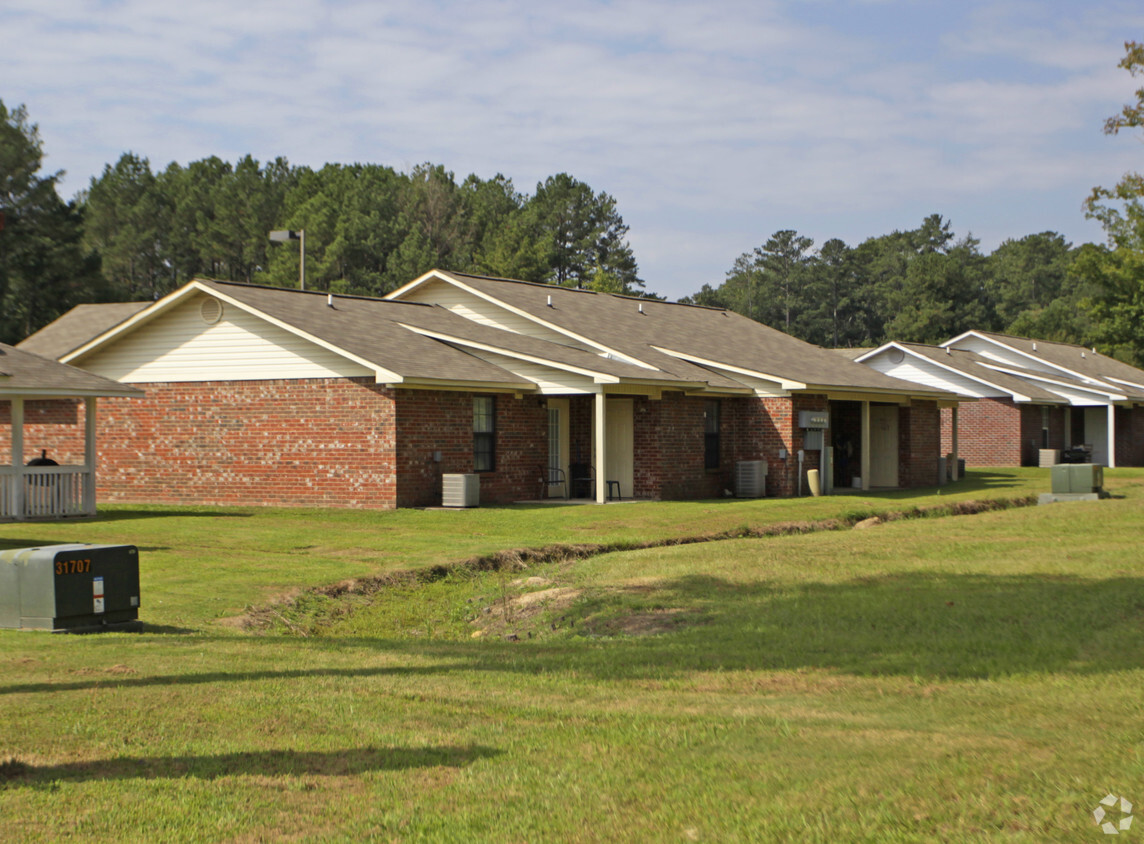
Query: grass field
960	678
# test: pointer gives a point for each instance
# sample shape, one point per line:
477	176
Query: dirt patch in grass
521	616
274	613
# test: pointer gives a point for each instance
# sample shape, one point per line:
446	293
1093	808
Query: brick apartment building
257	395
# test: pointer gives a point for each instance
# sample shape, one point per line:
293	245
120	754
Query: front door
619	459
883	445
1096	433
557	444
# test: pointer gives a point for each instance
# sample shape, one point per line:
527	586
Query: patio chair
549	477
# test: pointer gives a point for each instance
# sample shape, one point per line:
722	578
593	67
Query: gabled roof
27	375
77	326
968	365
403	342
667	334
1076	362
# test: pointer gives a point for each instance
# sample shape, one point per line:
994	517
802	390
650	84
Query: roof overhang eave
63	393
465	385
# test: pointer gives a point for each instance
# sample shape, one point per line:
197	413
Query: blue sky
713	124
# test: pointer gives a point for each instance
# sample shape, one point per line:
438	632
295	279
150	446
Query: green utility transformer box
1077	478
70	588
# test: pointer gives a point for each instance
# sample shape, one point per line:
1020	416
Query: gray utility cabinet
1077	478
70	588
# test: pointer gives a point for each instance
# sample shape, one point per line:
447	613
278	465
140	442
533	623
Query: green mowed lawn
961	678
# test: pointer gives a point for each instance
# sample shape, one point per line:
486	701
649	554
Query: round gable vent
210	310
897	356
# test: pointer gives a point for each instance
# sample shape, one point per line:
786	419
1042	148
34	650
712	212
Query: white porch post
601	449
865	445
1111	436
89	456
954	419
18	458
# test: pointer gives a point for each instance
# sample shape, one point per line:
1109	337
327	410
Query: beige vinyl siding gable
181	346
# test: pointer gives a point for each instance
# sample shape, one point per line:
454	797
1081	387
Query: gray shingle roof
974	366
23	374
1076	359
710	334
77	326
387	334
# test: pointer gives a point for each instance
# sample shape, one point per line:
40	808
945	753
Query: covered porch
48	408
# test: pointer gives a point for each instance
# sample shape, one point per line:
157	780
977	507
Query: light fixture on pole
284	235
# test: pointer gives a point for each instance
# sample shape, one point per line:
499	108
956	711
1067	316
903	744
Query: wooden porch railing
49	492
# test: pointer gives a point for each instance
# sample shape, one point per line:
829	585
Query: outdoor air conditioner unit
461	490
751	478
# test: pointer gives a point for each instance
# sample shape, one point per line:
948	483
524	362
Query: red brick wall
56	425
670	448
1000	432
919	444
1130	436
432	421
287	442
989	432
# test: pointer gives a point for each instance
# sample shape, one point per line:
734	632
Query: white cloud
712	124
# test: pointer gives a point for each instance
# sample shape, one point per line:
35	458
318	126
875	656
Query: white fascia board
381	374
864	357
1133	384
597	377
413	285
785	383
1017	397
466	386
1080	376
146	315
1108	393
524	315
80	393
962	336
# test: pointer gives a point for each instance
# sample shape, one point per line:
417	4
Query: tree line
923	285
137	233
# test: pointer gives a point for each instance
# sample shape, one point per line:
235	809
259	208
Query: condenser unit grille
751	478
461	490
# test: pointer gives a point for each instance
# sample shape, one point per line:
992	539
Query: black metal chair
583	480
549	477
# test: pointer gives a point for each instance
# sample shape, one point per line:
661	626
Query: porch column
865	467
953	418
89	456
1068	443
18	458
601	449
1111	436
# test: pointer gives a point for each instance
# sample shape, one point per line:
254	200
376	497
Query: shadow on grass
265	763
915	623
168	512
119	681
9	542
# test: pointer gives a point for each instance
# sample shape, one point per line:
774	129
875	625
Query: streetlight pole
283	235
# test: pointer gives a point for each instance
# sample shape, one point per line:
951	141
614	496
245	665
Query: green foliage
44	269
369	229
1118	303
582	232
